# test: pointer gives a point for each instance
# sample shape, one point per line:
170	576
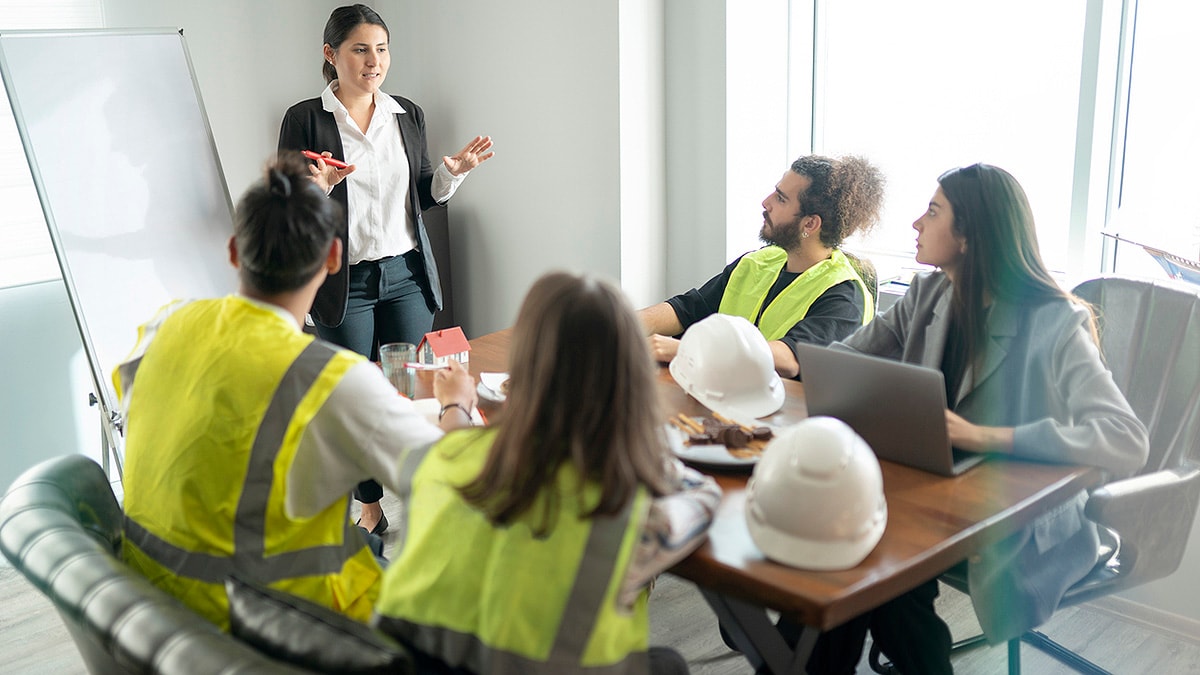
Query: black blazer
307	126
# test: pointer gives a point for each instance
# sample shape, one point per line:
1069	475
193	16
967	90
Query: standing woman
388	288
530	543
1024	377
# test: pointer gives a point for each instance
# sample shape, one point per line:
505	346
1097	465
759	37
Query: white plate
494	381
490	384
710	455
488	394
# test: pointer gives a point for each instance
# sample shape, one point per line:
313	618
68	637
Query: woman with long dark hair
530	544
1024	377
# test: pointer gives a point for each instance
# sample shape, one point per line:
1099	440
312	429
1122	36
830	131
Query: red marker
328	160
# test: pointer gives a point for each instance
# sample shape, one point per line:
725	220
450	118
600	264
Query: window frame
1101	115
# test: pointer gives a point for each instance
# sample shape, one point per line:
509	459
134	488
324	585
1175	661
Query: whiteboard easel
127	173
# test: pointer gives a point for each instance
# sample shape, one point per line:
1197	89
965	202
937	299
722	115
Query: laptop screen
898	408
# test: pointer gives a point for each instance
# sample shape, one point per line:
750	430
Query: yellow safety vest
224	392
757	272
498	599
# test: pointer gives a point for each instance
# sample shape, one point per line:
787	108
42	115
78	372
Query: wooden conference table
933	524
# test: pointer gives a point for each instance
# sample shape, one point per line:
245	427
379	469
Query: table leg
757	638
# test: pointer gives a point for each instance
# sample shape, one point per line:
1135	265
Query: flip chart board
128	176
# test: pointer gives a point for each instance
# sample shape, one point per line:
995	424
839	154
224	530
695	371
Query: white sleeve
445	183
363	431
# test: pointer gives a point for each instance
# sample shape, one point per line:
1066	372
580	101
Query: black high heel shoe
379	528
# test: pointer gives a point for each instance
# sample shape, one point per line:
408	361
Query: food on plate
741	441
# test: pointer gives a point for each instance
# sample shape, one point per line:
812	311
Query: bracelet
448	406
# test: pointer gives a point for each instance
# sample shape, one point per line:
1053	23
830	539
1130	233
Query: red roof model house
440	346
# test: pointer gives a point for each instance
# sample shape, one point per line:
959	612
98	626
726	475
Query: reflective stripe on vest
583	625
575	628
757	272
249	529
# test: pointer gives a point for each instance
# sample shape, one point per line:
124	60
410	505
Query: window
1162	138
27	255
919	88
1041	89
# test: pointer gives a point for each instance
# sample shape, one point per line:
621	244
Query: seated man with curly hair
801	287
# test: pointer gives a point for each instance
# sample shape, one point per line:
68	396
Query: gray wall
540	76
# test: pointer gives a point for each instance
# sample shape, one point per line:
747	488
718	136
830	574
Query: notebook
898	408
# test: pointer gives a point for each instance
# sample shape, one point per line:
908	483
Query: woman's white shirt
377	192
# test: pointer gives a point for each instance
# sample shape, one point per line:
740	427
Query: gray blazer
1043	376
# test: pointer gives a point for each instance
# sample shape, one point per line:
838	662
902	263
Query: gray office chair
1150	338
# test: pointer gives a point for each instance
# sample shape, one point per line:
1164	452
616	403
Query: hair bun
280	183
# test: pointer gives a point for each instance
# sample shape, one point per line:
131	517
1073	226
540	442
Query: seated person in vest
800	287
245	435
531	543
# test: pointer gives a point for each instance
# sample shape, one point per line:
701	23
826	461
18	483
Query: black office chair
61	528
1150	338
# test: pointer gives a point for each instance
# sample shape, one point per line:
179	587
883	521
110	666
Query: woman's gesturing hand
327	175
475	152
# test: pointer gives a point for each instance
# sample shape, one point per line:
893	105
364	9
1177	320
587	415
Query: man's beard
786	237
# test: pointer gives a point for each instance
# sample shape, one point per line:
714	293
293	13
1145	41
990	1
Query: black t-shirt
833	316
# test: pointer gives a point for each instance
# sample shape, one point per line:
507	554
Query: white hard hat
725	363
815	500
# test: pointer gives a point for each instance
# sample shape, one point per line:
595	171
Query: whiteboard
125	166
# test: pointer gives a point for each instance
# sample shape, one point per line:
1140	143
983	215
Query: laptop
898	408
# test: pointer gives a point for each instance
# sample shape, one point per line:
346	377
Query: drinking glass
397	359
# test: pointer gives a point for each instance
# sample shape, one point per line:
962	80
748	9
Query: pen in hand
337	163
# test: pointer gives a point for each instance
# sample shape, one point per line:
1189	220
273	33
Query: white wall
727	108
543	77
695	143
643	149
757	108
